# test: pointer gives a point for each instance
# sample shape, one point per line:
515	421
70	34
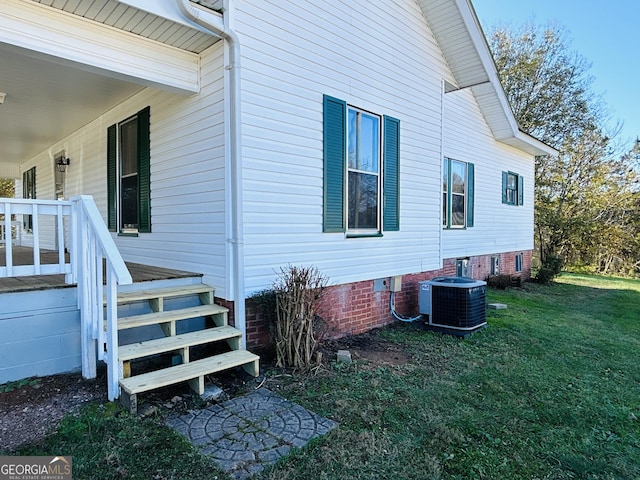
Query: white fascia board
532	145
98	48
484	53
169	9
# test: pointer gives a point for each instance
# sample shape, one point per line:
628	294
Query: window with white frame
495	265
457	194
28	191
58	175
462	267
361	170
128	175
512	188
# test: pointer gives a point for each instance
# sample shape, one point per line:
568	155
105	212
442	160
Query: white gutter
199	17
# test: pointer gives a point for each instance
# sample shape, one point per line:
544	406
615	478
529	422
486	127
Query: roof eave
477	70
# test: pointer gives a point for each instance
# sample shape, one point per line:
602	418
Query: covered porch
84	149
63	311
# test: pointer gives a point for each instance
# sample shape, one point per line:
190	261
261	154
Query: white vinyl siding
497	227
293	53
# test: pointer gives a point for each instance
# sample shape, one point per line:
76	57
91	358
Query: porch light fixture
62	164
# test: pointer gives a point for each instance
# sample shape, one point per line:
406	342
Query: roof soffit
156	21
457	31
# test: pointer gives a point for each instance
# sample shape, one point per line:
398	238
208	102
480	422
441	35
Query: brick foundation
354	308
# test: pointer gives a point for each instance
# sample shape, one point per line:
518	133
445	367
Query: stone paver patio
245	434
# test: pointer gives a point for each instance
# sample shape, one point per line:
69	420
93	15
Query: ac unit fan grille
458	307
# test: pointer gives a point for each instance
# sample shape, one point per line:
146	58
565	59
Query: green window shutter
144	172
111	179
334	144
520	190
505	176
391	172
470	193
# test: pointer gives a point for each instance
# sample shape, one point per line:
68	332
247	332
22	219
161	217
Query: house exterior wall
497	227
188	186
383	60
357	307
293	54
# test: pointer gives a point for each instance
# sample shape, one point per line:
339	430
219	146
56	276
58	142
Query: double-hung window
363	167
128	175
512	188
361	170
457	194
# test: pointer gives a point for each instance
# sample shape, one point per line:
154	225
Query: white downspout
236	240
442	119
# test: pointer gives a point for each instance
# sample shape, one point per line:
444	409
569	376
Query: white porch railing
47	216
14	232
95	264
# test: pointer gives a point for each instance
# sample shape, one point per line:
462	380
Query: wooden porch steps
218	313
160	293
215	333
180	343
194	372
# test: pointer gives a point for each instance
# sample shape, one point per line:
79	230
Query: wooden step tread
187	371
169	344
169	316
179	291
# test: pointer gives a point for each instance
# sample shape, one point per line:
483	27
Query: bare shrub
298	290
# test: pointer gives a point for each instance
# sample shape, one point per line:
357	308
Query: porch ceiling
48	98
46	101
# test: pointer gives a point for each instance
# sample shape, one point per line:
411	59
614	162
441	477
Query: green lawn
550	390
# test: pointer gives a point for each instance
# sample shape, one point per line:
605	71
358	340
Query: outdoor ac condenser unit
454	304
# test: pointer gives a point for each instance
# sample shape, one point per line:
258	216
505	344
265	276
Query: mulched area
31	410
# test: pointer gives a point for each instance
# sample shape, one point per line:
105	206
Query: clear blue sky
605	32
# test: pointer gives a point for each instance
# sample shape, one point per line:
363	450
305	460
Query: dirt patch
381	358
369	347
30	411
33	408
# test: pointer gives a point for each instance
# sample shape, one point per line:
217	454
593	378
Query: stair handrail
91	246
